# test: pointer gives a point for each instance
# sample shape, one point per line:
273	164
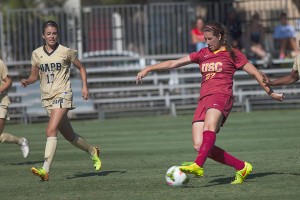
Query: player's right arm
34	75
292	77
166	65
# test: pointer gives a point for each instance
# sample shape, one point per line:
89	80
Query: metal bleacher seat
29	108
177	96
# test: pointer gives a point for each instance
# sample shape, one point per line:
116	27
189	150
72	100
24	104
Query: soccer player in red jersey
218	63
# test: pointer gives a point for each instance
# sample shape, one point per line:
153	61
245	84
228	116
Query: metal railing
151	30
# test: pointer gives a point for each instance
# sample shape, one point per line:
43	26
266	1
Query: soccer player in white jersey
5	83
51	64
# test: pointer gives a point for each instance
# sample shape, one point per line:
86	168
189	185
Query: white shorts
4	113
62	100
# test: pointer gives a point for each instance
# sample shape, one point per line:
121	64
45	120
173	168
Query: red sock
225	158
209	138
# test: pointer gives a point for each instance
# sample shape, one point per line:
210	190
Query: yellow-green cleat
96	159
192	169
40	172
186	163
241	175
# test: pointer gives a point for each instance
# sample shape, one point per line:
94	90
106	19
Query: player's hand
140	76
277	96
24	83
266	79
85	94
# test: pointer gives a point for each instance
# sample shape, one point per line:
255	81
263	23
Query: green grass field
136	153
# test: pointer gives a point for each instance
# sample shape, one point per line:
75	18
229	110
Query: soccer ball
175	177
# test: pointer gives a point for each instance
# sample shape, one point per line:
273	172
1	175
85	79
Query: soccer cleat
24	148
40	172
241	175
96	159
186	163
192	169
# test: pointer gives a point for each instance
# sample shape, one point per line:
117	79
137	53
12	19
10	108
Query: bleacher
114	93
176	92
26	105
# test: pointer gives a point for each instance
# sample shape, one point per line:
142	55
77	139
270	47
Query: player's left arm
82	70
251	70
7	83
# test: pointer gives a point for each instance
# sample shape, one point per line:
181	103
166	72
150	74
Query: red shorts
222	102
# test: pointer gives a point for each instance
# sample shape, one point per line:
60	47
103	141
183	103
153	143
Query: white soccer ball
175	177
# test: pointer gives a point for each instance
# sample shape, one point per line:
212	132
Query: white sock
50	150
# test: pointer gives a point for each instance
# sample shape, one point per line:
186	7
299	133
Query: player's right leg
40	172
192	169
197	137
203	140
55	119
50	149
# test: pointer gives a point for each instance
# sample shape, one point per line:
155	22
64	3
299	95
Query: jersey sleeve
3	70
34	59
240	59
196	57
72	54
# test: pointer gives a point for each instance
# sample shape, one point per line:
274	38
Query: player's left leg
79	142
241	175
243	169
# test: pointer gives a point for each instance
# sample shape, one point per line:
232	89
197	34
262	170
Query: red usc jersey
217	69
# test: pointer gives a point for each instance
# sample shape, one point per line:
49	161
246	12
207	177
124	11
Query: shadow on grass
101	173
227	180
28	163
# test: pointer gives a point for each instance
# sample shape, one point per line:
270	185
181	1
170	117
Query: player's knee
50	132
197	147
211	128
73	138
